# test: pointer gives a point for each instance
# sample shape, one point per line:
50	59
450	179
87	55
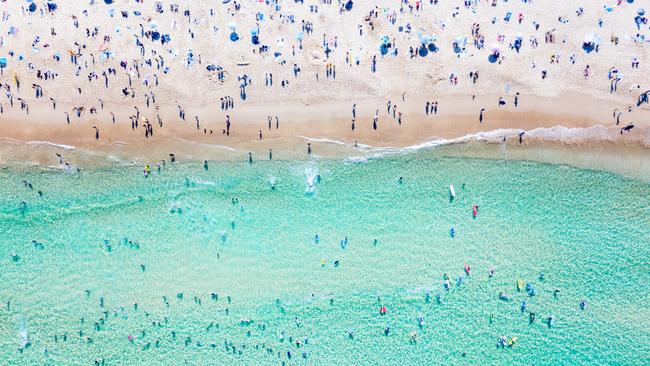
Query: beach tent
255	39
590	42
384	45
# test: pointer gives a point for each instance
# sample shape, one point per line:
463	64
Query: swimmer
583	304
551	321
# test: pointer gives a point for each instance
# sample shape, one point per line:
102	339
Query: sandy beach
337	72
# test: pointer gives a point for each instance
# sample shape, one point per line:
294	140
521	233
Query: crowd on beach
117	61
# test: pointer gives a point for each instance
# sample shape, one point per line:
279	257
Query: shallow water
586	231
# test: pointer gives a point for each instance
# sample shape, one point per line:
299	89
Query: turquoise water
586	231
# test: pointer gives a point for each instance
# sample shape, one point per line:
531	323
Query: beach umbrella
155	36
32	7
3	62
108	2
494	53
234	37
640	11
348	5
423	51
51	6
432	47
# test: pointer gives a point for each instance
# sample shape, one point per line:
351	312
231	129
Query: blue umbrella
3	62
32	7
423	51
155	36
432	47
108	2
234	37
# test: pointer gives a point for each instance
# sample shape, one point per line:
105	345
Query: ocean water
225	269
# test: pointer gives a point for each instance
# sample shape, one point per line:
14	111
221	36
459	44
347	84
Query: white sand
323	109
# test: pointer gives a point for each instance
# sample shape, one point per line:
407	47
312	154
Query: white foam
205	144
47	143
556	133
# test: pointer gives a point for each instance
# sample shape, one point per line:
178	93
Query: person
250	157
480	117
205	164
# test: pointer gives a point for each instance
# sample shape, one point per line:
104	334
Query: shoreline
569	122
625	158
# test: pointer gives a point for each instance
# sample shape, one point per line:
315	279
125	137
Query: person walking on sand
480	116
375	119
